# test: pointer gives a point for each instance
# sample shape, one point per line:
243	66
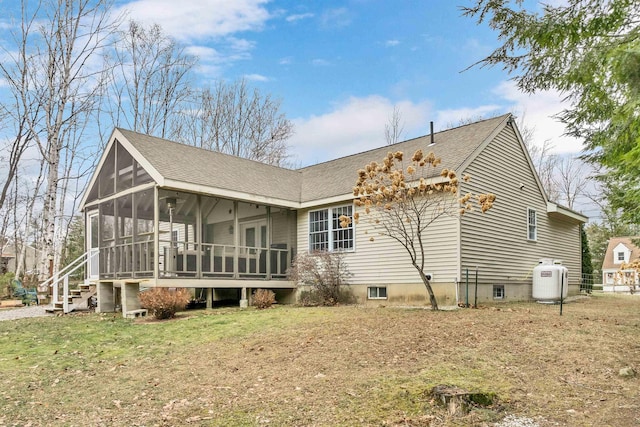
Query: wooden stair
78	298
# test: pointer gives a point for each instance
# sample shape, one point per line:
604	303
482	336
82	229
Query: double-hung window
325	231
532	224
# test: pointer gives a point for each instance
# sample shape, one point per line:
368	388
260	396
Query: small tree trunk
427	284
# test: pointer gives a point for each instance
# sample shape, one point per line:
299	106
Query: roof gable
196	169
118	159
615	245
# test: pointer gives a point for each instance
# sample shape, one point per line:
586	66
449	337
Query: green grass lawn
324	366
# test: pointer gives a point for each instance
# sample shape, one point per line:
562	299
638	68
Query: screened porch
166	235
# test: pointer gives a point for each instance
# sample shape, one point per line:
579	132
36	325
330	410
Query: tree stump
458	401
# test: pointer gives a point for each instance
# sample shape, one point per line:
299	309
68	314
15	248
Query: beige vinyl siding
385	261
283	228
496	242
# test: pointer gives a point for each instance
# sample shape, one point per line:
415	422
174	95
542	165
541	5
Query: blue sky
340	67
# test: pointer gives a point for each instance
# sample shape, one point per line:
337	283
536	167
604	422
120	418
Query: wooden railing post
54	296
65	294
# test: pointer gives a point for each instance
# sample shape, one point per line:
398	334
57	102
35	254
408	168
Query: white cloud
390	43
452	117
538	111
197	19
285	61
320	62
256	77
205	53
354	126
299	16
334	18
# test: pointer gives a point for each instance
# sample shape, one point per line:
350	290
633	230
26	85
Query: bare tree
233	119
149	79
19	112
403	203
545	164
394	128
571	179
24	224
63	82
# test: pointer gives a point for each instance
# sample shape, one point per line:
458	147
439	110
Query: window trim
329	231
530	225
378	297
498	289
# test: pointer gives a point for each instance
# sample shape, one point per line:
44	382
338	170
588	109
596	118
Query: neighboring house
165	214
620	250
8	258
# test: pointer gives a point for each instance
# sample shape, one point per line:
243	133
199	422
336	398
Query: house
620	250
9	259
159	213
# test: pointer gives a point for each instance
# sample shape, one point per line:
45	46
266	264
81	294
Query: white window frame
623	256
532	226
328	225
498	292
377	292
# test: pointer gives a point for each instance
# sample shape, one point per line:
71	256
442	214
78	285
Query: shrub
6	284
163	303
325	272
263	298
313	298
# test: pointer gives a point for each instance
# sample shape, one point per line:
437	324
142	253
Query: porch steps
77	298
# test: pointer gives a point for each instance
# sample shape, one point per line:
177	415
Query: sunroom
164	214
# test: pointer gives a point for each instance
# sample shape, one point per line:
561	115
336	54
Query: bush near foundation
263	298
325	272
164	303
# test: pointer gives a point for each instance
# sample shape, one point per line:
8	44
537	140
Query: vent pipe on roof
432	140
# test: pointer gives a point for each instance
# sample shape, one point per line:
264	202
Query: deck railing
62	277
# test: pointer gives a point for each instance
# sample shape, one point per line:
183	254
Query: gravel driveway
23	312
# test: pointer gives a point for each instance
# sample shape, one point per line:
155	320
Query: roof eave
554	209
230	194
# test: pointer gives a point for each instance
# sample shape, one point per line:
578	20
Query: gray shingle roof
198	166
453	146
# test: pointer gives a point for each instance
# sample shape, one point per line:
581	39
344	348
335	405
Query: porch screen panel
218	237
124	240
106	178
124	167
178	238
107	239
141	176
143	237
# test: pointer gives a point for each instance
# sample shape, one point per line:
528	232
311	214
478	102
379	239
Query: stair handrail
55	279
57	273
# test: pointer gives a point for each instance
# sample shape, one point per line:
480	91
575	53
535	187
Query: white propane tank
549	277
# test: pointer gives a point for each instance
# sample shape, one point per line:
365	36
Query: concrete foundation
244	301
130	300
209	298
106	301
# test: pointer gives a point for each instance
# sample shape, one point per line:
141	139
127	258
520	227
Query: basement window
498	291
377	292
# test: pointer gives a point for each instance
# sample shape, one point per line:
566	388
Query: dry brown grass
325	366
